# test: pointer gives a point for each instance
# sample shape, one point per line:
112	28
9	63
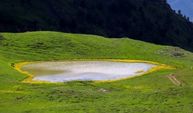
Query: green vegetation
152	93
147	20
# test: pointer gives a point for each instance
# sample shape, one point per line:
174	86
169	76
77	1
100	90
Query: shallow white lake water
85	70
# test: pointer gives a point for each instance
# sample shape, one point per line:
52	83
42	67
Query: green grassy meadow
151	93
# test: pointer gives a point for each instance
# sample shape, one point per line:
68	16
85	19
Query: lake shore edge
29	79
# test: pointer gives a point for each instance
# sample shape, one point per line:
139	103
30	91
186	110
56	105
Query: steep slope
147	20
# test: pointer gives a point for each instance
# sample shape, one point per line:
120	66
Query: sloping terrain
147	20
151	93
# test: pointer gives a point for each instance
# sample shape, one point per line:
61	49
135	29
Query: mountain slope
147	20
151	93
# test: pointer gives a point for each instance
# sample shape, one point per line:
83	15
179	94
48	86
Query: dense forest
147	20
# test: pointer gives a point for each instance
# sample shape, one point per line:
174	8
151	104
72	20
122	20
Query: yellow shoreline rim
29	79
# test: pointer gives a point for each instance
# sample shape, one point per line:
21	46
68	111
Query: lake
63	71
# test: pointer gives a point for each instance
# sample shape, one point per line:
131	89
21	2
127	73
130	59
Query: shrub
1	37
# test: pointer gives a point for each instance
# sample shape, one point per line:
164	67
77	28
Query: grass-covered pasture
151	93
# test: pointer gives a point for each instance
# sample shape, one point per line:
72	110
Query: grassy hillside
145	20
152	93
